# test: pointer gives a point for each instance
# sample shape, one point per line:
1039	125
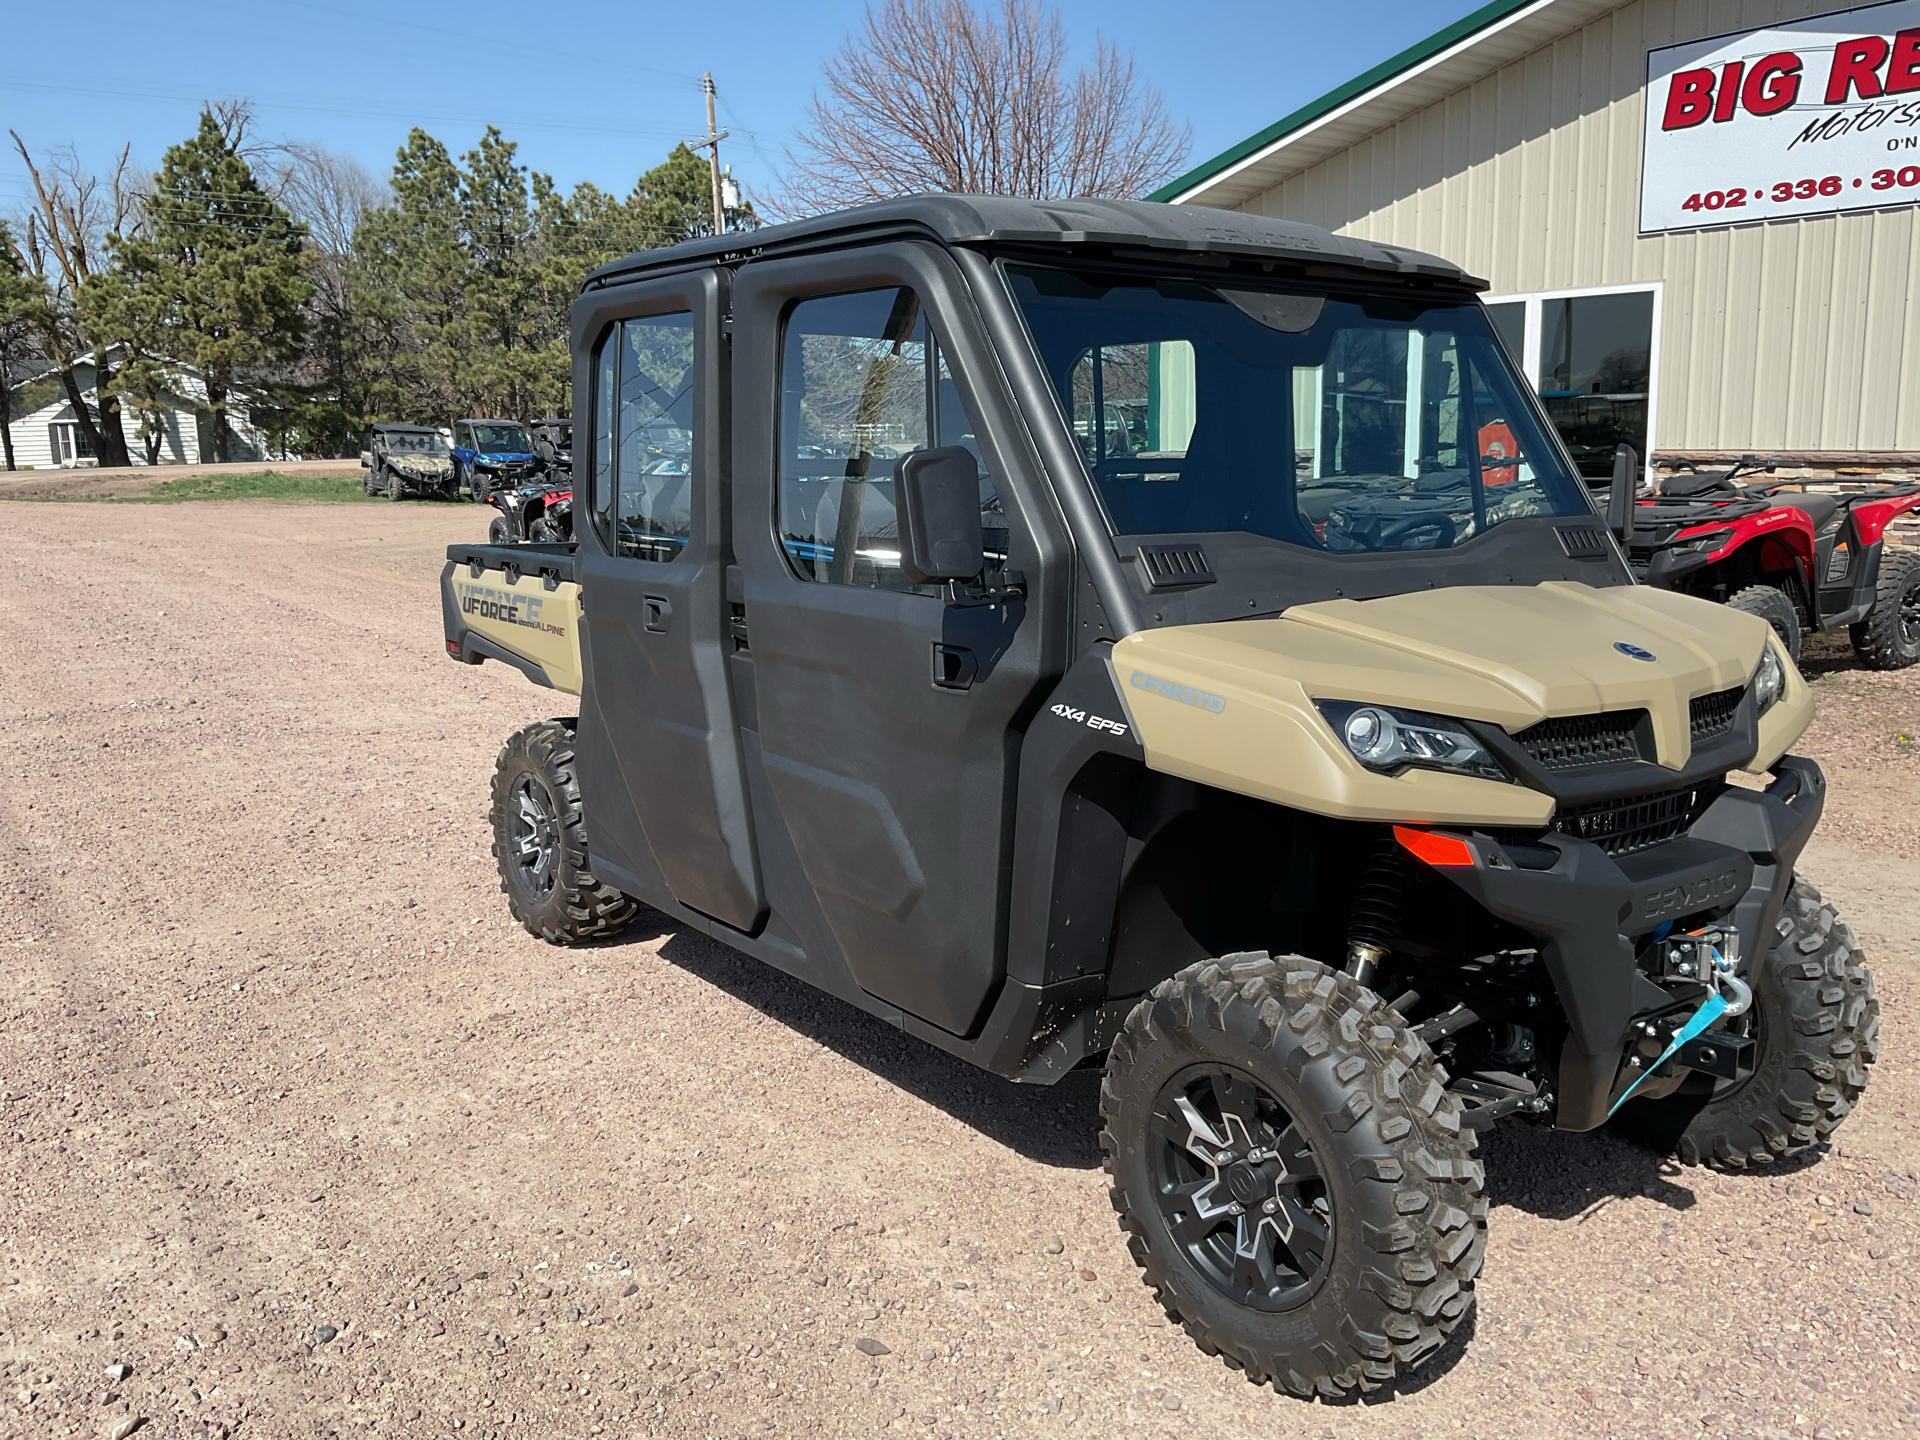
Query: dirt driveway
300	1128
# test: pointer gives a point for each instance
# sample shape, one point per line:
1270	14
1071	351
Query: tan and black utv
1107	633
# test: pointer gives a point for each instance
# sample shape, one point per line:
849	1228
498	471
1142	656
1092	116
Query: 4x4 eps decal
1092	722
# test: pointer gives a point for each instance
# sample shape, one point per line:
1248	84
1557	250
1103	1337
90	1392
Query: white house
47	436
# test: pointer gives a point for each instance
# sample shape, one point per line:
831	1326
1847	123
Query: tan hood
1508	655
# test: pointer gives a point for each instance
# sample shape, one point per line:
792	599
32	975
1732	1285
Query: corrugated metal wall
1794	335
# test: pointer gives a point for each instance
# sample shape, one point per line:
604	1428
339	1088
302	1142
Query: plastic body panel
895	793
657	710
517	604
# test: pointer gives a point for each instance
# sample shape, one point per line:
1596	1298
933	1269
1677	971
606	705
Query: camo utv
408	460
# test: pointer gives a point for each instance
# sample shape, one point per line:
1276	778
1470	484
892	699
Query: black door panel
653	569
895	791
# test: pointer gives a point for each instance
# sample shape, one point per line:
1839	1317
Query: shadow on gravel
1056	1125
1827	654
1559	1175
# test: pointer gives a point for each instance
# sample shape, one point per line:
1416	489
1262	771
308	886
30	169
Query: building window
1593	356
70	444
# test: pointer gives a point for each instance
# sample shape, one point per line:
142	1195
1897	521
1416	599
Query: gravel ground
301	1129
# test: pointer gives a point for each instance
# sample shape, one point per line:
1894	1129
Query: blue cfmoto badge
1633	652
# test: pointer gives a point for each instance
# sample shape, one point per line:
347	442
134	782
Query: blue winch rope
1709	1011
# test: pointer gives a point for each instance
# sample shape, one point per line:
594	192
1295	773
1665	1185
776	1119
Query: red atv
540	512
1798	560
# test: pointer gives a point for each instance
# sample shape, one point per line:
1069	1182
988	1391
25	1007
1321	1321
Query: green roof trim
1460	29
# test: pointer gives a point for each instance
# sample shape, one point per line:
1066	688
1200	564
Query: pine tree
220	271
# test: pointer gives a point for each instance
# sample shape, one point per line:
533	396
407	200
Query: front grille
1573	742
1712	715
1630	823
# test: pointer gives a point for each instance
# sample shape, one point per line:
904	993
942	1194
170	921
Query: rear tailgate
515	603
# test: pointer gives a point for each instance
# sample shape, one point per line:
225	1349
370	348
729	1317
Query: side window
652	413
606	380
862	384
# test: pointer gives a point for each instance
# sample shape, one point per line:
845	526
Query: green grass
258	485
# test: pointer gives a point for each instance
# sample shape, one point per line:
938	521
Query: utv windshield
1337	424
501	440
415	442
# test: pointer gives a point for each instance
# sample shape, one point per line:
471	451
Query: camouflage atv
408	460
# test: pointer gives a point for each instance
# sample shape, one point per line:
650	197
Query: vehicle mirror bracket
1626	473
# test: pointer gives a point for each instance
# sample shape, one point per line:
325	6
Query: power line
414	116
519	49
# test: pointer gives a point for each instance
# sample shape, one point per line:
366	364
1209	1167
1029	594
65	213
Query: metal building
1698	217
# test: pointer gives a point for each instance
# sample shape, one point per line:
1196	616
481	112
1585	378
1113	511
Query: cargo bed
519	604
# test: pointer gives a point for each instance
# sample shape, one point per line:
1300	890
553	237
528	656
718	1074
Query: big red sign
1805	118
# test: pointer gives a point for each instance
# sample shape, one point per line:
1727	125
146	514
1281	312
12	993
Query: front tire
1291	1175
498	532
1815	1024
396	487
1774	606
1889	638
540	841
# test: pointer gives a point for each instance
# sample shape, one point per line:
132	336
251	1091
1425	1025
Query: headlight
1386	739
1769	679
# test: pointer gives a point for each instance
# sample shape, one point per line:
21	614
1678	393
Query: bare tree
70	233
327	193
936	95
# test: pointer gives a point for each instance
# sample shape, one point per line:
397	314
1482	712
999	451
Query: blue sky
597	91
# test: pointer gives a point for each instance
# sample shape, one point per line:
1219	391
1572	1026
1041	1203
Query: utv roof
1072	228
396	429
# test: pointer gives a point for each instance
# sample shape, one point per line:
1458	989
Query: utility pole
711	144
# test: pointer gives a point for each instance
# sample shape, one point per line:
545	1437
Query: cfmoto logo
1633	652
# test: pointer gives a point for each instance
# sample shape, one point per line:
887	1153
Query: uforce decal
1185	694
1092	722
483	602
1697	895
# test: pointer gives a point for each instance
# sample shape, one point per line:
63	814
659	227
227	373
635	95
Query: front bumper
1591	912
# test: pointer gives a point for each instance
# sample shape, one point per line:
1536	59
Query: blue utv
490	455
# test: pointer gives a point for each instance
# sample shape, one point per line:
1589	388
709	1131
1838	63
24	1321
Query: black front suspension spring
1375	918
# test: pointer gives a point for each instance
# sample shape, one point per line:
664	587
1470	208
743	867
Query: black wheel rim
1910	617
1240	1188
534	829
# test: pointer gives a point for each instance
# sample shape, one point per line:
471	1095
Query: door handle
659	613
954	667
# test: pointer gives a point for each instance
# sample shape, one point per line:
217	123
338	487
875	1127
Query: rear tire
1773	606
1889	638
540	841
497	532
1365	1163
1816	1028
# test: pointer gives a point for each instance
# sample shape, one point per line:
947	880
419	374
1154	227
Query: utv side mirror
366	459
937	496
1626	477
